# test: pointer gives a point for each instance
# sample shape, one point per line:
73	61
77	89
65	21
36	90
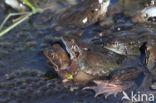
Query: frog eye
51	55
92	11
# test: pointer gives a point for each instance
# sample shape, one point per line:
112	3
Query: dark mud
23	66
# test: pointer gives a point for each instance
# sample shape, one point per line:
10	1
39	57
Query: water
21	49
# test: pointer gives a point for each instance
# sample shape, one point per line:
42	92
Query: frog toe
108	87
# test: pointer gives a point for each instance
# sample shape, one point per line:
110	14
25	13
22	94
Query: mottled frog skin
59	59
57	55
139	10
89	62
129	45
85	13
61	62
93	59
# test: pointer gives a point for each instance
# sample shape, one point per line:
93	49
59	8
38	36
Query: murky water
22	64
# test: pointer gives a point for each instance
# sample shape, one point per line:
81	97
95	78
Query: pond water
23	65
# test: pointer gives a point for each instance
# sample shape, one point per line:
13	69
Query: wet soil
23	65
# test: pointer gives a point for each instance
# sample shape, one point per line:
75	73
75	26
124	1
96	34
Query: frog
127	7
72	19
59	59
100	62
125	46
129	45
144	10
84	13
80	15
92	63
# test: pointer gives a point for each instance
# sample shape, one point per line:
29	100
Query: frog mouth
46	53
119	50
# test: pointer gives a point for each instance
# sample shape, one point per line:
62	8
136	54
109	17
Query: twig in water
20	21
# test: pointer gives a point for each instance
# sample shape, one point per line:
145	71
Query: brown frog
130	45
84	13
89	62
127	7
73	19
140	11
59	59
62	63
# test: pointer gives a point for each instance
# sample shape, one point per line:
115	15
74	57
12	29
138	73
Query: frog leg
109	87
112	87
65	80
72	70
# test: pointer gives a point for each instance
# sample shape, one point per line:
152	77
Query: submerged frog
59	59
61	62
85	13
129	45
90	63
140	11
128	7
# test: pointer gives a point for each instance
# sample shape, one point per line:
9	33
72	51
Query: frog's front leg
66	79
117	85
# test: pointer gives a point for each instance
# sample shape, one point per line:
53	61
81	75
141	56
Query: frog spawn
27	84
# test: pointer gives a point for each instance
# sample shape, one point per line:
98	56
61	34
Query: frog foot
108	88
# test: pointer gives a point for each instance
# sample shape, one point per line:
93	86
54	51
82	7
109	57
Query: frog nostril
92	11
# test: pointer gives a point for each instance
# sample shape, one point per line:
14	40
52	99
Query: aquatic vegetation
27	15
